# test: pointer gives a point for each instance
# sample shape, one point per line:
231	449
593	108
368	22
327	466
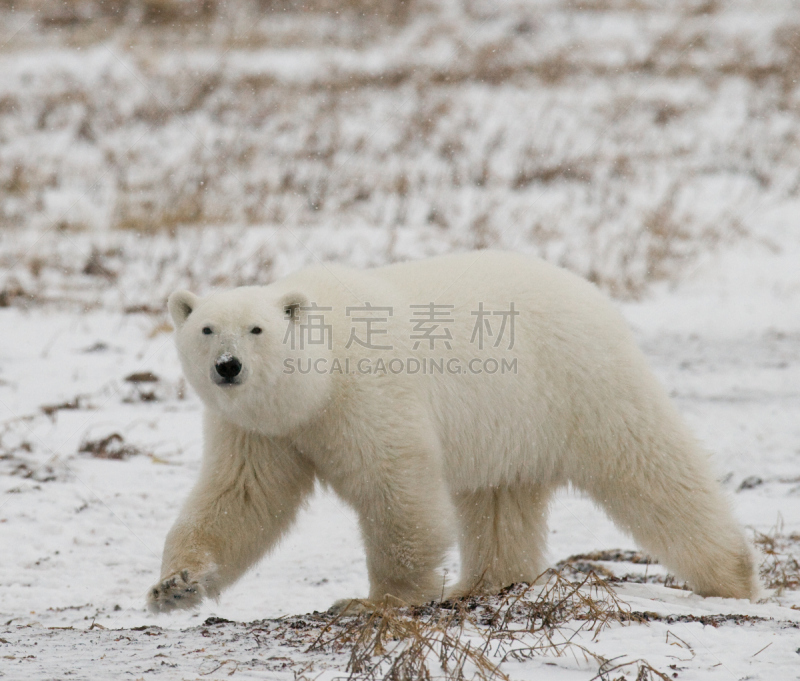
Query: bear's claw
180	590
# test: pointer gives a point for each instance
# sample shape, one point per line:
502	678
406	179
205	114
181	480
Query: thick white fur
413	453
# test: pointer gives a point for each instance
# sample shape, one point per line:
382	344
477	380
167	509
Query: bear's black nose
228	367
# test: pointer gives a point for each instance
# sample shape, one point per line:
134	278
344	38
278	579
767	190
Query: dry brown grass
479	637
586	563
14	294
576	171
780	569
19	458
590	156
69	14
110	447
476	637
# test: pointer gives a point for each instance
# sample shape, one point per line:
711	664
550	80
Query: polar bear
445	398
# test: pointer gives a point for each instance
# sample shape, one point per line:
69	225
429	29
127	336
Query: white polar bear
466	388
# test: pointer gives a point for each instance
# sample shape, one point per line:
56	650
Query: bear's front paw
184	589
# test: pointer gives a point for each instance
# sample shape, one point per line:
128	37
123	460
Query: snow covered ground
617	136
650	147
82	534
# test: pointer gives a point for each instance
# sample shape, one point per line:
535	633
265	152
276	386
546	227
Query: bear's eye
256	330
207	330
292	310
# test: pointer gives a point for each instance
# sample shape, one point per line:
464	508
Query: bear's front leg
189	570
405	517
249	491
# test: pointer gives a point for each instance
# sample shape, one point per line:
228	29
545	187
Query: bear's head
235	347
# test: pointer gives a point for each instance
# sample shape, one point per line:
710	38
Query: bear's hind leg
503	537
667	498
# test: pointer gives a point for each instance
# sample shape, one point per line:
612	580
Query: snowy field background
146	146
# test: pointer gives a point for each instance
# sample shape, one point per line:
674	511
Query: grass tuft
780	569
477	637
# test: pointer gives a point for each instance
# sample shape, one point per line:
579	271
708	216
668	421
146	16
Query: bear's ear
293	305
181	304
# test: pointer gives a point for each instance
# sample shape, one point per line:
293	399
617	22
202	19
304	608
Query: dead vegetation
145	386
77	402
127	273
479	637
22	456
474	638
13	294
111	447
16	460
575	145
179	14
780	569
27	453
635	564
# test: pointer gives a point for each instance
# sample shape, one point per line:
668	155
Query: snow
83	535
653	149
